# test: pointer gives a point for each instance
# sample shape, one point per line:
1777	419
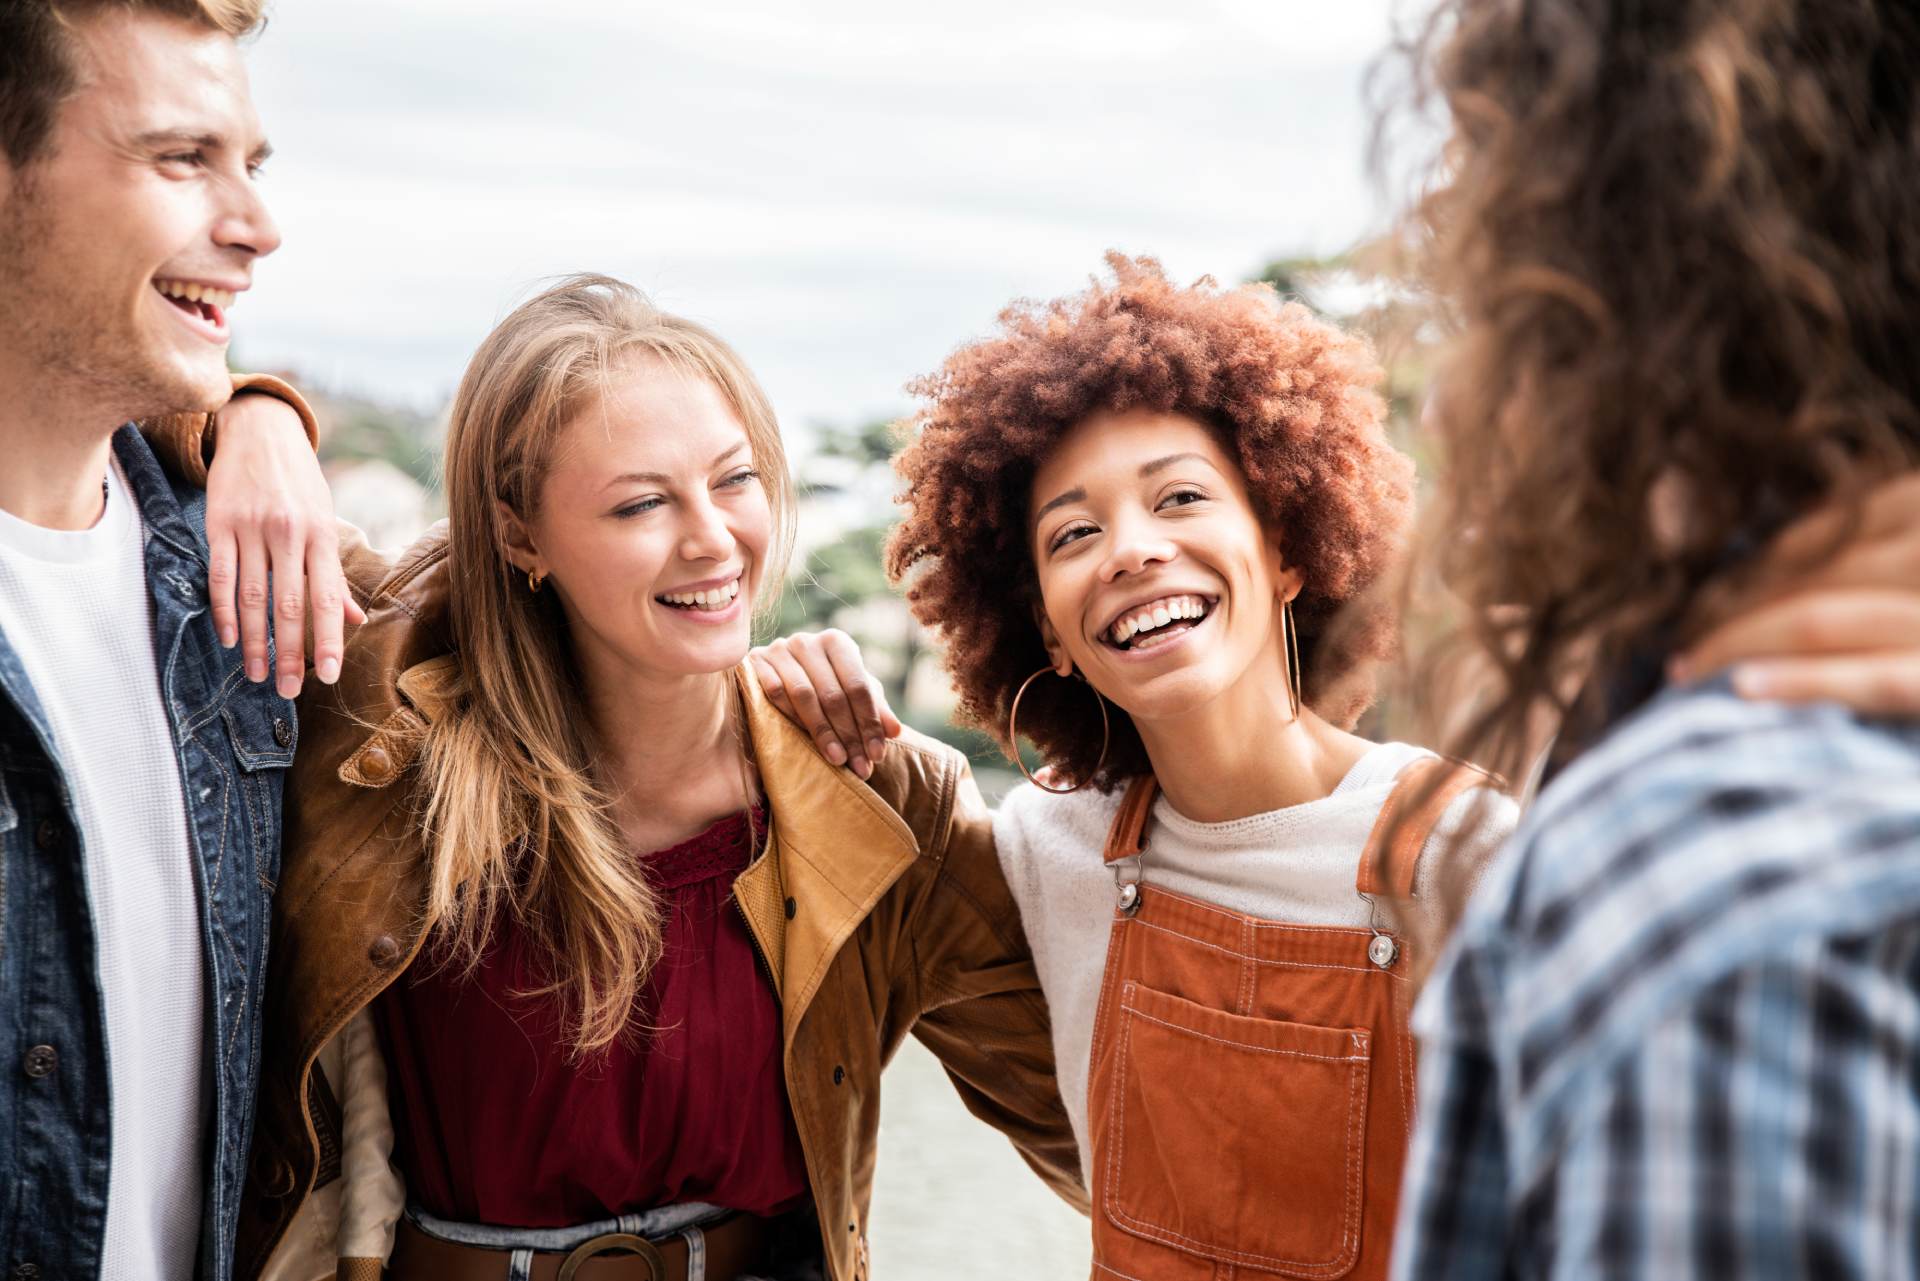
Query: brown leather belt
734	1246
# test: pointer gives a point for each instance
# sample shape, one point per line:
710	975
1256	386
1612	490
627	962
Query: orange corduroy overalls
1251	1087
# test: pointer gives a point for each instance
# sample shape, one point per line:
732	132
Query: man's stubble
59	330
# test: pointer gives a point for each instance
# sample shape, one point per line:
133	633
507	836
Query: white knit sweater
1296	865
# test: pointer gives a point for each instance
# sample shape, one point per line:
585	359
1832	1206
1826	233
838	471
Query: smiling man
139	772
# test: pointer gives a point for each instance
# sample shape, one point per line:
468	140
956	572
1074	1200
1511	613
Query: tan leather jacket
879	907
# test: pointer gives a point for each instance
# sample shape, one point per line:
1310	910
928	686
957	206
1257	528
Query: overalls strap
1419	799
1130	824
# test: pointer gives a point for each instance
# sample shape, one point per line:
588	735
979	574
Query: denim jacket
234	741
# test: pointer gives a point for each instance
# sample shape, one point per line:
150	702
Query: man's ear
1057	654
516	540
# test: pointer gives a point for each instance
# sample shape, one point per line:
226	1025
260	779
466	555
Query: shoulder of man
1701	836
1708	801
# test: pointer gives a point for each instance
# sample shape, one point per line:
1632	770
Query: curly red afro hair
1292	398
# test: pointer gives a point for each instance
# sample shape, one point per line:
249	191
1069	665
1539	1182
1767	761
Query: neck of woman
670	751
1245	753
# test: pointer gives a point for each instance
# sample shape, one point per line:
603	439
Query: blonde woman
583	953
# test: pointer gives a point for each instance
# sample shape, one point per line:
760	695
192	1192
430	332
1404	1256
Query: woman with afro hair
1143	520
1134	514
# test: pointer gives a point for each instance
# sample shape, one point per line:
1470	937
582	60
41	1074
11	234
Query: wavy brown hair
1679	241
517	820
1292	398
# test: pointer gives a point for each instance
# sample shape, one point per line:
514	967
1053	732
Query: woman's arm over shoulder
182	441
931	787
980	1007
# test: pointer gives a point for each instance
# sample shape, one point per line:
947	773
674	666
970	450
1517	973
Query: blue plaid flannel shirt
1678	1032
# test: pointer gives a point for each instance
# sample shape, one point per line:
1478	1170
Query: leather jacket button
41	1060
376	765
282	732
839	1074
47	836
384	951
792	908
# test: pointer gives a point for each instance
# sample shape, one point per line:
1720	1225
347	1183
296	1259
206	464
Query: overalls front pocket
1244	1103
1244	1098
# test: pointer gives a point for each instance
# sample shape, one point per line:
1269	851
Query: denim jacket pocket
264	733
263	728
1236	1139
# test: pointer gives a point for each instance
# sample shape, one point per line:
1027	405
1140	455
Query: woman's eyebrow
1161	464
1075	495
661	478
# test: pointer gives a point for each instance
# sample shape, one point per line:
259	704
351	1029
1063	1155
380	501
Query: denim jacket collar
166	517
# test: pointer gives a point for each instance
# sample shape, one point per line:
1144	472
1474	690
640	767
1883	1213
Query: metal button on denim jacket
234	741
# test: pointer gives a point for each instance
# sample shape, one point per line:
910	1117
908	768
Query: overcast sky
845	189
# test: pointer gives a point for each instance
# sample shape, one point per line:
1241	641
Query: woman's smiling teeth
1156	622
715	599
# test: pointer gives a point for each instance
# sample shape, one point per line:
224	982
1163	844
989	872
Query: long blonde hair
516	820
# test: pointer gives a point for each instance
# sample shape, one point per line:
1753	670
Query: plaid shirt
1678	1032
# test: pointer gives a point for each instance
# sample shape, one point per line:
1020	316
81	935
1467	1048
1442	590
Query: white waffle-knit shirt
74	608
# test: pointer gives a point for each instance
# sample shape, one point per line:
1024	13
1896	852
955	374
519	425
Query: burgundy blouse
494	1125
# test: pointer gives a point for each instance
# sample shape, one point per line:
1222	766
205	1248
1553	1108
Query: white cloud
847	189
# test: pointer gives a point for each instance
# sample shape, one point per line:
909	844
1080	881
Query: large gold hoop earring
1290	637
1013	736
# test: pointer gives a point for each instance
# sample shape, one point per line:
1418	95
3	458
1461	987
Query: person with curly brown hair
1677	1034
1134	515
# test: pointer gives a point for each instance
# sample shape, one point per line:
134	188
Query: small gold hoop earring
1013	735
1291	639
534	581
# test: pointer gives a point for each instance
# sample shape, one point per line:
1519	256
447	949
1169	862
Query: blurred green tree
1299	278
843	583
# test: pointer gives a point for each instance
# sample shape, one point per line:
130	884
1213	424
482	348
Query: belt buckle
607	1243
